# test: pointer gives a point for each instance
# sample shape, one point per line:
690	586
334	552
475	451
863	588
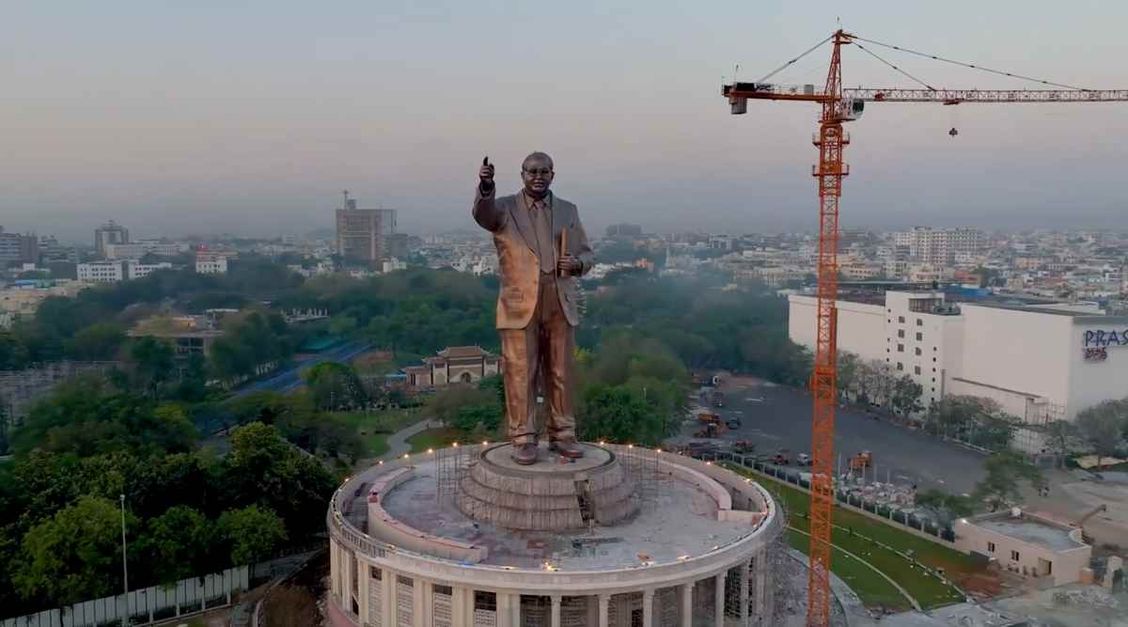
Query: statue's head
536	173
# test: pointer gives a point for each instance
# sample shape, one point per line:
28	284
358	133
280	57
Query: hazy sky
250	117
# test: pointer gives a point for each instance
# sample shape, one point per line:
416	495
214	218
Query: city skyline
179	120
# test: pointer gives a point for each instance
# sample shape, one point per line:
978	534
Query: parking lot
775	417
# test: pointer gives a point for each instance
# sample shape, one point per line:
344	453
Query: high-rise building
362	234
109	233
16	248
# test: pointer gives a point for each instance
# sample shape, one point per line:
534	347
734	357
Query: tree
263	469
1102	426
848	365
447	402
618	414
948	506
176	544
905	398
89	416
152	361
73	556
475	420
1061	437
335	386
252	533
193	385
99	341
979	421
1006	471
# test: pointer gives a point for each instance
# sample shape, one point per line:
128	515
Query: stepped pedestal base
552	495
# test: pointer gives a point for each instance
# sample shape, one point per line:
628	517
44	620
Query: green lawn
870	588
856	533
432	438
374	427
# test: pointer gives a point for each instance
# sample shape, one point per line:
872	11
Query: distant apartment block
941	246
134	250
109	233
362	234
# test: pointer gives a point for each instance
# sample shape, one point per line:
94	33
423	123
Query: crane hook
953	132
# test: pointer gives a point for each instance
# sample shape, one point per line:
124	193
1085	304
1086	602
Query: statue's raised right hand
486	174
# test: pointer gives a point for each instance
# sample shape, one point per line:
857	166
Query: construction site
624	536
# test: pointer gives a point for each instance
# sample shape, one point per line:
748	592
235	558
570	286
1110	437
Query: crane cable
969	65
874	55
789	63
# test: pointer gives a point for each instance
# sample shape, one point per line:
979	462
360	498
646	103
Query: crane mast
841	105
824	389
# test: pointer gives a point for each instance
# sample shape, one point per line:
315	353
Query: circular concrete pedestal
553	494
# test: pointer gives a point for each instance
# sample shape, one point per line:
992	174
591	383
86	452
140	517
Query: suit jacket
512	227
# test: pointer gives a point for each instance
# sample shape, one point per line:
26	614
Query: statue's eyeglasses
541	171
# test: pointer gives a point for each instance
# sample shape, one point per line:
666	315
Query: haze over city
251	119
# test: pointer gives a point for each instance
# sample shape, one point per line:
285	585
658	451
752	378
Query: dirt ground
1073	494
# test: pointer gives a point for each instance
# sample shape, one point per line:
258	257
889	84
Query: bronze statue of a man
541	249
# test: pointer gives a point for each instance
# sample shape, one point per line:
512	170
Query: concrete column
421	601
719	600
687	604
508	610
334	577
388	583
604	610
648	608
744	580
363	581
458	606
347	574
554	617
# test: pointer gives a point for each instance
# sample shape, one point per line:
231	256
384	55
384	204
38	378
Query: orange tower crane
841	105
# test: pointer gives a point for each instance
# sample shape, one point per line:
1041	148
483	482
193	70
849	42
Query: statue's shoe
525	454
566	448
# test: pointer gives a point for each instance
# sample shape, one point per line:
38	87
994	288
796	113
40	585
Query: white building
1039	362
211	263
100	272
138	270
114	271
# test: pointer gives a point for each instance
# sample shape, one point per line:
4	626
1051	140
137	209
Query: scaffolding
451	465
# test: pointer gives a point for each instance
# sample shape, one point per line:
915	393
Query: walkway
397	442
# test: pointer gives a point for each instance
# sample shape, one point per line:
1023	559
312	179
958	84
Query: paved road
290	379
776	417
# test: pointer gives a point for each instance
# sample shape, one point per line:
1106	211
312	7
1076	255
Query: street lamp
124	564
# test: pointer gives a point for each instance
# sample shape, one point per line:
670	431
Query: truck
861	461
718	398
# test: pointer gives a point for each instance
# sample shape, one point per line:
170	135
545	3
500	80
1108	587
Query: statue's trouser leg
520	349
558	348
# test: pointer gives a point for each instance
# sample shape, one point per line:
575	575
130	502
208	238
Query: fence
911	521
144	606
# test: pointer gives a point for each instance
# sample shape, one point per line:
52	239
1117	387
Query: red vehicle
782	458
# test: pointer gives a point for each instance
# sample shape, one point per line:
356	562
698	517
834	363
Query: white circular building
624	537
